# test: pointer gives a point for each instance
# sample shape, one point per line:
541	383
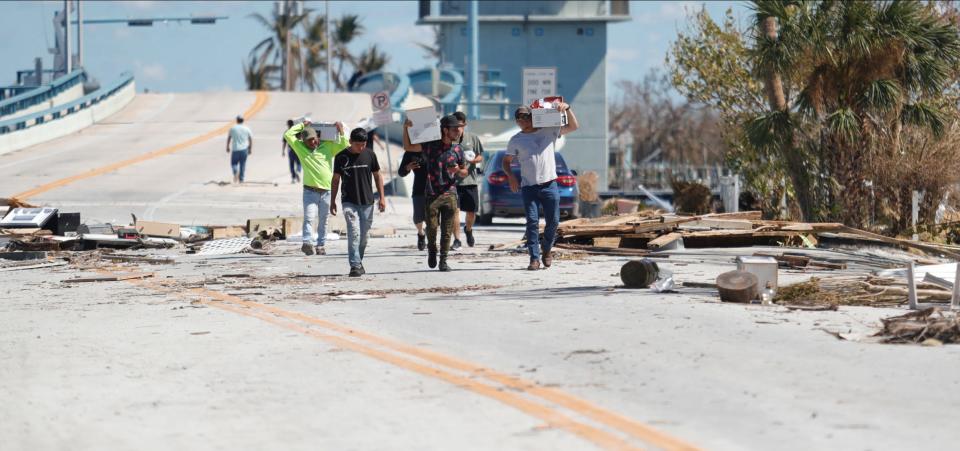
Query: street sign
380	100
382	113
538	82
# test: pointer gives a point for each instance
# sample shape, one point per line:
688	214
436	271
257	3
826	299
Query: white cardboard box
426	125
547	117
326	131
765	268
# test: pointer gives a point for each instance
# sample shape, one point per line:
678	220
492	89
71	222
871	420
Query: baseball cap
309	132
522	111
450	121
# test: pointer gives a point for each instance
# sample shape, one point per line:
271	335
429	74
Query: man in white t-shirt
239	146
534	150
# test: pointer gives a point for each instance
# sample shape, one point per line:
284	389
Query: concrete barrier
70	123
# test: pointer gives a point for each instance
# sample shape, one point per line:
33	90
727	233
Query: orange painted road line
624	424
258	104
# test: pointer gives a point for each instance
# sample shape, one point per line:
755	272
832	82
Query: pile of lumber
651	230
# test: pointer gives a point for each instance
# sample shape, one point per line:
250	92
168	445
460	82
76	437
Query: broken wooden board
137	259
37	266
664	240
292	225
712	223
115	278
158	229
220	233
607	241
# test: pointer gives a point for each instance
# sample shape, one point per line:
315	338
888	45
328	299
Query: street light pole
326	31
473	72
66	36
79	34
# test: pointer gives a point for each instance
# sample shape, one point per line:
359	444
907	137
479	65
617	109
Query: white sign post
383	115
538	82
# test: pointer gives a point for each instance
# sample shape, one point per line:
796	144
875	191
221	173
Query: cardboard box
765	268
292	225
545	117
220	233
159	229
326	131
426	125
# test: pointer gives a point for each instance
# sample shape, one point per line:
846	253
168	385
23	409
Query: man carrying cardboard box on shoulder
534	149
316	159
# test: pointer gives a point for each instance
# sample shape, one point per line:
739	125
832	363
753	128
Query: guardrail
56	112
41	93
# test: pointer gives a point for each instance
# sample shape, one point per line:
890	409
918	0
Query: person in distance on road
239	146
317	159
352	172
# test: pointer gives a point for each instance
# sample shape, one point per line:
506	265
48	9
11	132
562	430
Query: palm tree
281	27
257	73
840	75
347	28
432	50
371	60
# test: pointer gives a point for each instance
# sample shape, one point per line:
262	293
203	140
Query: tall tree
273	47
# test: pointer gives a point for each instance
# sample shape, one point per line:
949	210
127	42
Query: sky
185	58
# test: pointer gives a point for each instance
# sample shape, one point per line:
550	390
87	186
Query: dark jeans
547	197
238	162
294	165
440	212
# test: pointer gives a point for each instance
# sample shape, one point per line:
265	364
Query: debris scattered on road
115	278
930	327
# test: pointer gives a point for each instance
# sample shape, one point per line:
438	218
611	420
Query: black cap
522	111
449	121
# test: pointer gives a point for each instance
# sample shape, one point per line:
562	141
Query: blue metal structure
473	76
41	94
40	117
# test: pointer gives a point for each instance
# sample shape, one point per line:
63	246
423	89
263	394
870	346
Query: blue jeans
547	197
315	205
238	162
359	218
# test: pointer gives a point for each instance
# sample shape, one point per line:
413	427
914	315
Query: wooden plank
292	225
220	233
110	278
159	229
37	266
739	224
664	240
607	241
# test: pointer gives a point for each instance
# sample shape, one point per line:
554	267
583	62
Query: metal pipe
79	34
66	36
911	287
955	302
473	71
326	31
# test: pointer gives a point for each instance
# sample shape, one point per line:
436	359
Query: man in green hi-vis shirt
316	159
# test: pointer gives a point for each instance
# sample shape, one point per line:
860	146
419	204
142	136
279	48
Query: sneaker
456	245
362	270
432	259
307	248
534	265
355	272
547	259
443	264
421	242
320	250
469	235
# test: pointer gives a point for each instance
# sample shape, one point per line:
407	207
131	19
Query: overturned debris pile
930	326
871	291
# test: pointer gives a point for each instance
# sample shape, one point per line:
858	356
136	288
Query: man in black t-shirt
414	162
355	168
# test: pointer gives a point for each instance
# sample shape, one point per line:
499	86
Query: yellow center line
362	344
258	104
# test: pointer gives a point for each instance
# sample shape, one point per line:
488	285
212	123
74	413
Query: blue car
496	199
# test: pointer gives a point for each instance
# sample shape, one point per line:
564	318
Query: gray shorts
419	209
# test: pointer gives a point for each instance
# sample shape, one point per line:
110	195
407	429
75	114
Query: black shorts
419	209
469	197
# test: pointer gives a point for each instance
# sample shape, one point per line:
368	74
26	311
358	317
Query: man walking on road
444	165
534	149
239	146
352	171
413	162
317	159
468	194
285	151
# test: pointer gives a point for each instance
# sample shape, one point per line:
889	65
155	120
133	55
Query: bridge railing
41	94
58	111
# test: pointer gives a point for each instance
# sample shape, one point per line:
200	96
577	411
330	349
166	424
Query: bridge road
297	356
